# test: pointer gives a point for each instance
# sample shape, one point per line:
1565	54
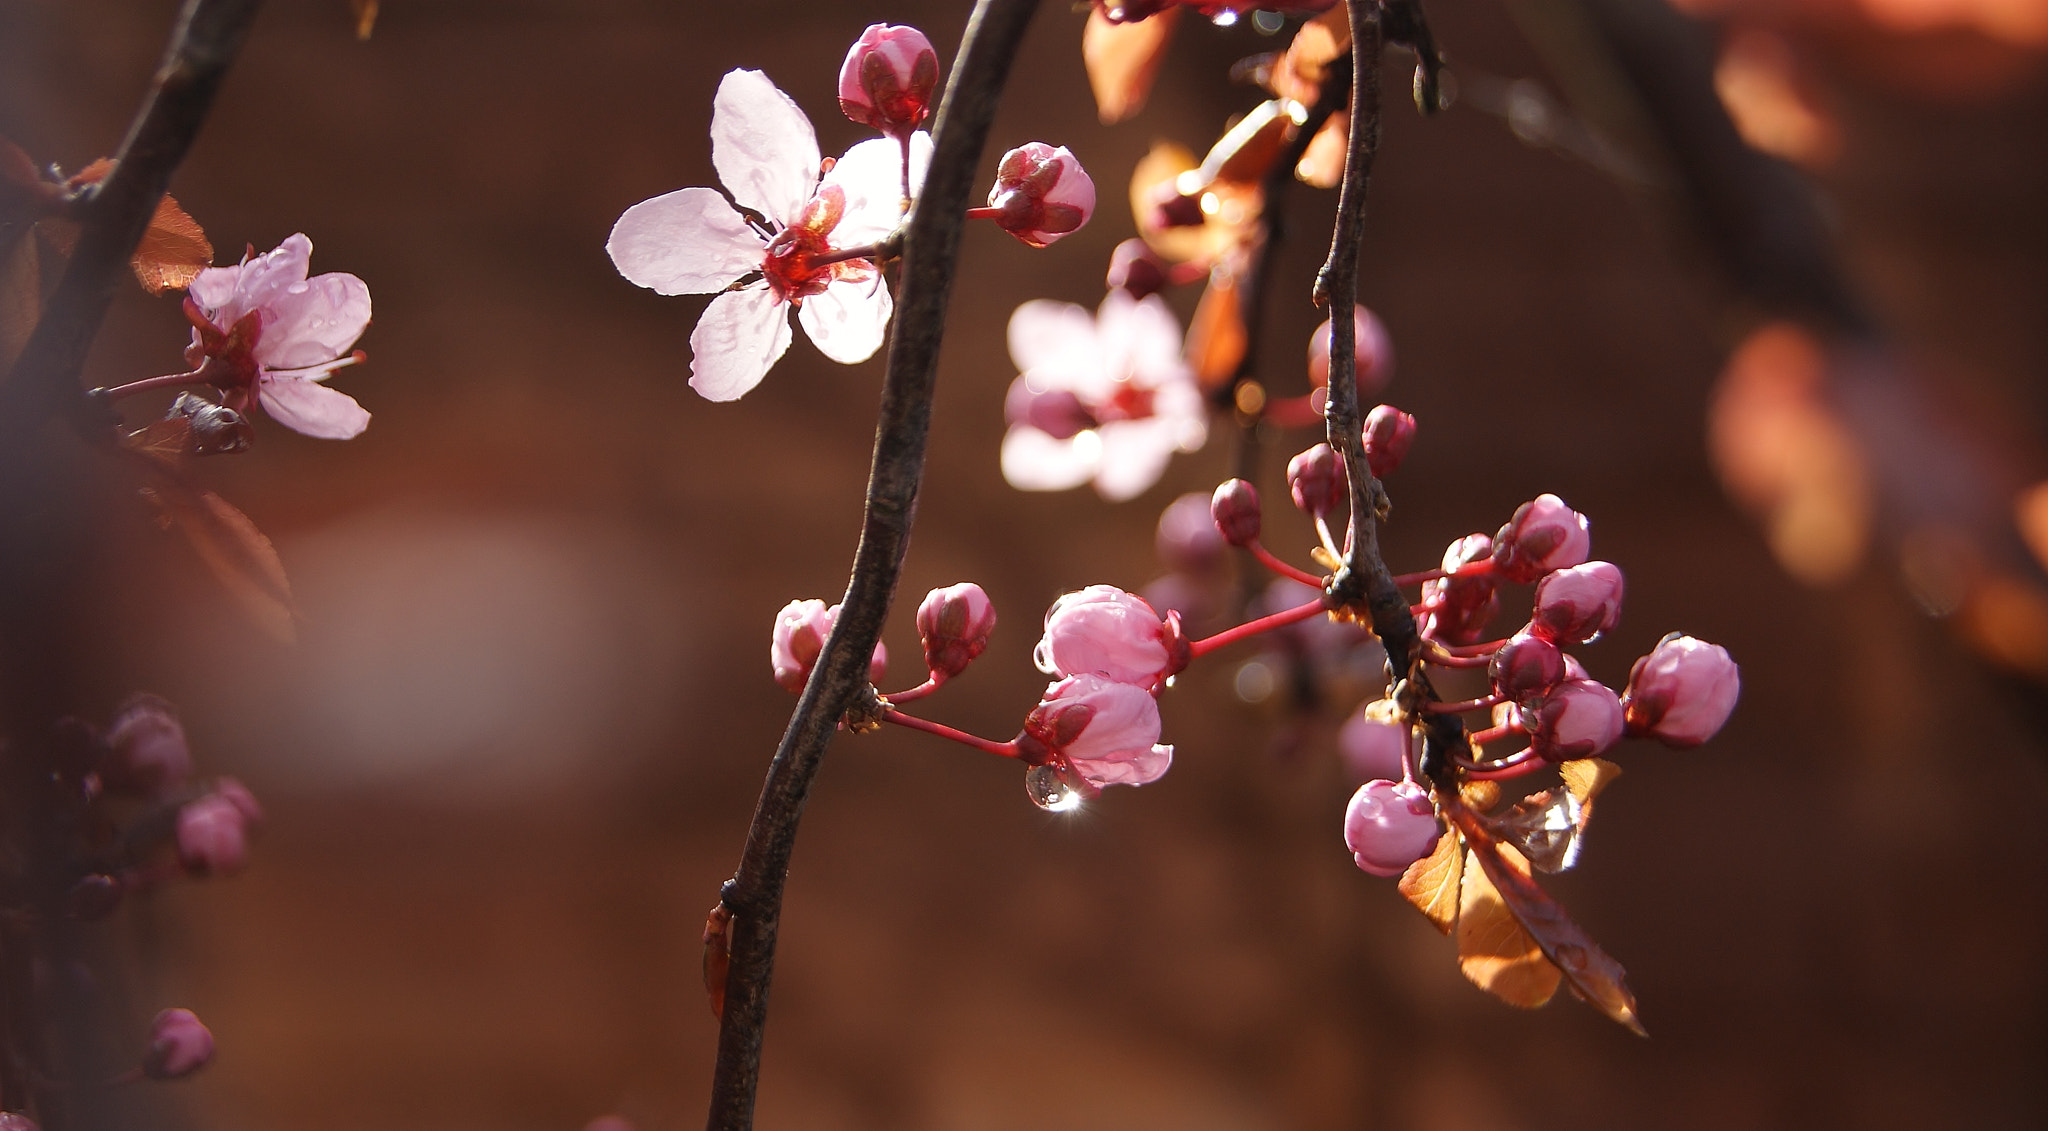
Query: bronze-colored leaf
366	17
717	956
1322	163
167	441
241	558
21	294
1596	978
1494	950
1216	334
1586	777
1244	153
1431	883
1123	59
173	250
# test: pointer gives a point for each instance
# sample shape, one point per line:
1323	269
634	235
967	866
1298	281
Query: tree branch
118	210
931	248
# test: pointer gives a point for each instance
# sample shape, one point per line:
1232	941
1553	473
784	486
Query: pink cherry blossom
954	624
1526	668
1462	602
1317	480
888	78
179	1045
691	241
1544	535
1234	510
262	325
1388	434
1372	355
1104	631
212	835
1578	605
1131	400
1577	719
1388	826
1106	730
798	638
1682	692
1041	194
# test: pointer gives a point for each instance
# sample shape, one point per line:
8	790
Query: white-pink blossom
1102	630
1119	375
1106	730
1388	826
691	241
263	326
1682	692
1577	719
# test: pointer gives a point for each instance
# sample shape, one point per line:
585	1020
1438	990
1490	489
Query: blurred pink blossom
1106	730
1130	401
799	636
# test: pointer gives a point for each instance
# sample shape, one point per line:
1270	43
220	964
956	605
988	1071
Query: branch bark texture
930	251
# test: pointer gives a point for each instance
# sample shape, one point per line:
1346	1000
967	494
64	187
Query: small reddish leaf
1432	883
1596	978
366	17
717	956
241	558
1585	778
173	250
167	441
1494	950
1216	334
1123	59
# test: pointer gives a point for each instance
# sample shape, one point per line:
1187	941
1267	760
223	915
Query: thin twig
44	380
930	250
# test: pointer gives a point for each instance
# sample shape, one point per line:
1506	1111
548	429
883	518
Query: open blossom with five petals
1106	398
262	327
692	241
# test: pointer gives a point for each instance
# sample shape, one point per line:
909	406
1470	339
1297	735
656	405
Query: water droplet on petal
1049	790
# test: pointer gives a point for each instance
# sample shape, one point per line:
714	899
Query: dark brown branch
45	377
930	250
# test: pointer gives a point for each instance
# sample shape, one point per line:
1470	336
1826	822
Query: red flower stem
1267	559
1001	749
167	381
1512	766
1485	649
1280	619
1483	703
984	214
1493	734
1445	659
931	251
875	251
1417	578
920	691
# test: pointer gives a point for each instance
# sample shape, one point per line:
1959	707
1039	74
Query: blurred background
514	750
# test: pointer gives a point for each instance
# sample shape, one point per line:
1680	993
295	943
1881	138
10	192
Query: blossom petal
1034	461
848	321
313	321
1134	455
1058	337
1133	767
871	175
310	408
762	145
686	242
741	334
225	294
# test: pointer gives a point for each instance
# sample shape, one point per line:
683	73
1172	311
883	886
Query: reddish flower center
791	263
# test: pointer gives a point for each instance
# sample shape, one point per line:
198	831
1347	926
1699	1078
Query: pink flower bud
800	631
1526	668
1577	605
1389	825
1058	413
1460	606
888	79
1107	632
1187	539
1136	268
1544	535
146	748
236	794
1374	360
1682	692
1372	741
1388	434
1578	719
1106	730
1234	508
1317	480
1041	193
179	1045
954	624
15	1121
213	836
